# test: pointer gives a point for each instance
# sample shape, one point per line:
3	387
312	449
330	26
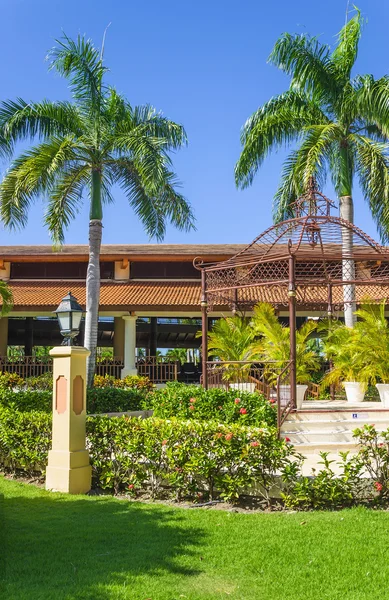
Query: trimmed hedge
99	400
225	406
186	459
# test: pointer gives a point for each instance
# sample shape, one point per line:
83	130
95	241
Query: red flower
191	407
287	439
131	486
228	437
272	401
243	411
237	400
254	444
219	435
192	400
378	486
164	442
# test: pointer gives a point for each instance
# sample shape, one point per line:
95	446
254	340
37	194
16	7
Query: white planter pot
243	386
300	393
383	389
355	391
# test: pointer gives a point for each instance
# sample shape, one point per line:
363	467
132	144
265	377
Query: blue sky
203	63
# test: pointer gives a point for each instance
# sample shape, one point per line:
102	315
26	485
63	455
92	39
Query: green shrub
41	382
131	381
326	488
26	400
10	381
225	406
25	440
192	459
100	400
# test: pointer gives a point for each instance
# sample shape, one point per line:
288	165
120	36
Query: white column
129	346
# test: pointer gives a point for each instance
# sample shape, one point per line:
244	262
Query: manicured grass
91	548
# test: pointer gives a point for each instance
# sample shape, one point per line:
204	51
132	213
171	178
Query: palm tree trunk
93	276
346	210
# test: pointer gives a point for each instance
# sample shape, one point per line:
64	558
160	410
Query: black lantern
69	314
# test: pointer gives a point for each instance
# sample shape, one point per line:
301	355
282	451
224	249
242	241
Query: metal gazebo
315	262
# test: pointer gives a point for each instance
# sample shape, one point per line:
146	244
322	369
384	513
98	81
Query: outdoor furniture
189	373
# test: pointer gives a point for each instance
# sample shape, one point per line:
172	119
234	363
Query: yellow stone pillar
68	467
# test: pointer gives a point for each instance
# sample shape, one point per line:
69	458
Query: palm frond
65	201
80	62
371	103
32	174
373	169
154	202
20	120
278	123
6	297
308	62
346	51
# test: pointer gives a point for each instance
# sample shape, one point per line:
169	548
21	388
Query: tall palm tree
339	125
85	147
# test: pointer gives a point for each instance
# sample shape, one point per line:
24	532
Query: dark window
164	270
58	270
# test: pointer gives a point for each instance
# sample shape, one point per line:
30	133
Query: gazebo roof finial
312	202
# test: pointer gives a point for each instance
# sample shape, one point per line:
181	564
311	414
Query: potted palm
231	340
372	339
343	348
274	347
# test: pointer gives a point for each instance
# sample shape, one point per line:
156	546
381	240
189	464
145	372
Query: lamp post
68	468
69	315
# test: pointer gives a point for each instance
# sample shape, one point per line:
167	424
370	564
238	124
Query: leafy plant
85	147
10	381
215	404
338	120
342	349
274	346
325	488
131	381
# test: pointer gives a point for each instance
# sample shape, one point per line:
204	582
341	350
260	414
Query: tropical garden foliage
337	123
81	149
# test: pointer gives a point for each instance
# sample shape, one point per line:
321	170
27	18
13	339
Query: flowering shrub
187	459
131	381
373	457
225	406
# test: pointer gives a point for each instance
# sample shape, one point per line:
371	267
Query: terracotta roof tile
123	296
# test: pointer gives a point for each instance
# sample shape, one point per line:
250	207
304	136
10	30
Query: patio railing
158	369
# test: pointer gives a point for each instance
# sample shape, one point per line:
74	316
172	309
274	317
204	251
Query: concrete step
311	449
317	438
333	425
356	416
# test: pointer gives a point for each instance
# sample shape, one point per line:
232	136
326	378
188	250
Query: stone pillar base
125	372
69	472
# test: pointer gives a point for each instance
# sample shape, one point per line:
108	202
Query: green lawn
62	547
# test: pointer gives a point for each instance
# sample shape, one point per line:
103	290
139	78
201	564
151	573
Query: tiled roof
177	295
46	295
122	250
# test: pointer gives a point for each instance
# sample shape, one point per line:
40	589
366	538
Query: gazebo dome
333	262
